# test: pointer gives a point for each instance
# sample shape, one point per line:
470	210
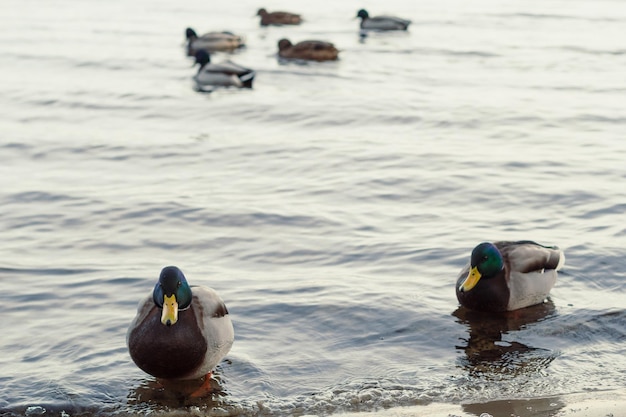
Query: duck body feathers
311	50
188	349
278	18
528	273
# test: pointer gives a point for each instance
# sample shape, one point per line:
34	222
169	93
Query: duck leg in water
204	389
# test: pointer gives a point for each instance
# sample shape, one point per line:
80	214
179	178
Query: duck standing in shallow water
308	50
212	41
180	332
505	276
381	22
278	18
225	74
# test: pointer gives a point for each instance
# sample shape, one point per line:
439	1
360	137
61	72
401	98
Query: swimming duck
381	22
278	18
225	74
505	276
180	332
212	41
308	50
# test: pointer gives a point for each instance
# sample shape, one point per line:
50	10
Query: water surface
332	205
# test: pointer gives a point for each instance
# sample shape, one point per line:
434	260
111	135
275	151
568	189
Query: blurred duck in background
308	50
212	41
381	22
278	18
224	74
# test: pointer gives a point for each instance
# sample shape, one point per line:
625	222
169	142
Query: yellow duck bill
170	310
470	282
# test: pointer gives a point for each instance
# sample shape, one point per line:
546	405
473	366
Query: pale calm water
332	205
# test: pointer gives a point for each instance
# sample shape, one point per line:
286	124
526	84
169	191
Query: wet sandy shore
593	404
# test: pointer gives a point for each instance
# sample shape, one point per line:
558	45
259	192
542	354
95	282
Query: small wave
582	50
591	327
437	51
44	271
554	16
38	197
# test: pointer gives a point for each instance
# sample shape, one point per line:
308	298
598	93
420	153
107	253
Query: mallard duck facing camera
180	331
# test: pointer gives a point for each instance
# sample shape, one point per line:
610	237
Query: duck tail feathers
561	261
247	78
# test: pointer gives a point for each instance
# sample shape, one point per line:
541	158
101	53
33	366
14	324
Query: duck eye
178	284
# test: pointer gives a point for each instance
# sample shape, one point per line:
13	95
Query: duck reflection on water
177	393
487	354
